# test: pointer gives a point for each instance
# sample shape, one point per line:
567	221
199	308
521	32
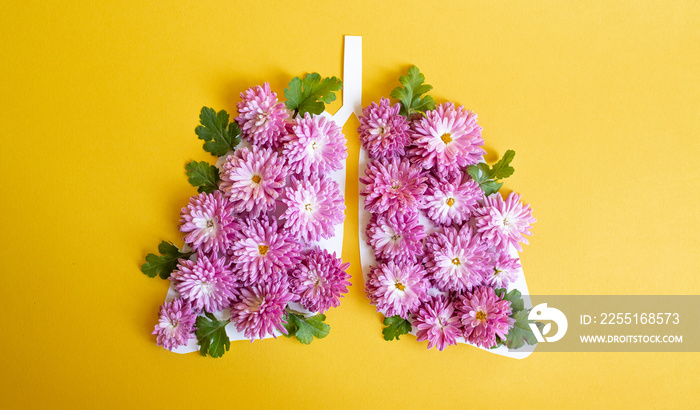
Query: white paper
367	259
352	103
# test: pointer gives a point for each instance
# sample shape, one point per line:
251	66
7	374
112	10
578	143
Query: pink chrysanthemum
447	138
176	324
316	145
259	309
455	259
314	206
437	323
253	179
397	289
504	270
502	223
450	201
207	284
393	186
260	250
320	280
484	316
208	220
397	237
383	132
261	117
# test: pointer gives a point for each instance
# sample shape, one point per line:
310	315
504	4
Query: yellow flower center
263	249
257	179
210	223
446	138
308	207
456	261
481	316
450	201
496	272
313	145
400	286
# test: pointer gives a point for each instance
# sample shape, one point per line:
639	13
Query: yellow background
99	99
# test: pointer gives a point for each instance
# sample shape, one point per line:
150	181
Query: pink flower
207	284
261	117
392	186
455	260
450	201
314	206
447	138
176	324
208	220
503	223
260	251
316	145
397	289
253	179
504	270
484	316
437	323
319	280
397	237
383	132
259	309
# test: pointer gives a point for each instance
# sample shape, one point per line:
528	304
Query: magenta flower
393	186
208	220
260	250
503	223
447	138
320	280
316	145
456	260
261	117
504	270
383	132
176	324
437	323
397	237
207	284
314	206
484	316
253	179
397	289
450	201
259	309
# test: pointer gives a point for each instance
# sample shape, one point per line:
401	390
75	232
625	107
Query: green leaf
395	327
305	328
211	335
502	168
220	136
203	176
521	332
488	177
311	94
410	95
166	263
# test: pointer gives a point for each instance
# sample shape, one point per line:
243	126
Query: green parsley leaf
395	327
488	177
410	95
165	264
305	328
310	94
211	335
203	176
521	332
220	136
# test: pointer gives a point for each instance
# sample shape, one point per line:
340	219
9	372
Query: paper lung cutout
367	259
352	103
